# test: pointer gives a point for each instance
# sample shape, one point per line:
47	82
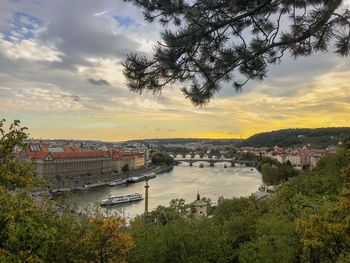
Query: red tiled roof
37	155
67	154
118	155
74	152
77	154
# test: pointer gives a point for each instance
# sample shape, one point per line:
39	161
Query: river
181	182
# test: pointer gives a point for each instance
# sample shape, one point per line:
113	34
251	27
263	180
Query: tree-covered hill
182	141
319	138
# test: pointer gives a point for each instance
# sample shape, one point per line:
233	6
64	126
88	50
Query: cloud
29	50
51	52
81	35
100	82
75	98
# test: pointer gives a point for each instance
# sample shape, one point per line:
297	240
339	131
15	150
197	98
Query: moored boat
150	176
98	184
118	182
136	179
119	199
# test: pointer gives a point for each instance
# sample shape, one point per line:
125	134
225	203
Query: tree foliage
212	42
274	172
15	136
36	229
177	241
14	174
161	158
325	235
125	168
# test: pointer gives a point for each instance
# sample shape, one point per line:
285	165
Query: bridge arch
198	162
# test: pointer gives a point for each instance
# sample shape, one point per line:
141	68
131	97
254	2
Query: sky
61	75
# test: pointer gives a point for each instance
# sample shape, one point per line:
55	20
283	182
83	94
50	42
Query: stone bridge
212	161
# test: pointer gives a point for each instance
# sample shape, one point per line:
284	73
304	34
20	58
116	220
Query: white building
294	159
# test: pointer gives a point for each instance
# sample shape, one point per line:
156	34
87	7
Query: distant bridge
212	161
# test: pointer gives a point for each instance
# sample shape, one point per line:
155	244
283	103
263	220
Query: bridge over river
213	161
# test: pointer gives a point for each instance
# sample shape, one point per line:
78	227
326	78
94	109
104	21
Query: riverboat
150	176
93	185
119	199
118	182
136	179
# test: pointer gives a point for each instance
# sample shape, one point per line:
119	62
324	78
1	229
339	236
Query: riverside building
68	167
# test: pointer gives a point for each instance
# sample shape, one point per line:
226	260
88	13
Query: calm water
181	182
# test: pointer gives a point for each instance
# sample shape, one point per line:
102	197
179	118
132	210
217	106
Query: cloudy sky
61	75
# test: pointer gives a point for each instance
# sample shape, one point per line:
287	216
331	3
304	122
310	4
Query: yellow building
131	160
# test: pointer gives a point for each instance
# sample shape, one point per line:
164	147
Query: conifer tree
210	42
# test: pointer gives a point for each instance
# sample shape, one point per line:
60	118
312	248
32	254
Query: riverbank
105	180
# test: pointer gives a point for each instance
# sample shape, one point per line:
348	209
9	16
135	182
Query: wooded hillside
318	138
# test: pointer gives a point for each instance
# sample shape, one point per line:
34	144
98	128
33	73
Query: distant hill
182	141
318	138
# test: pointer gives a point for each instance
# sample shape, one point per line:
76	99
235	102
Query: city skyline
61	75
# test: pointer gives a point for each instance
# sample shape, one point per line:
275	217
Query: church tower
199	208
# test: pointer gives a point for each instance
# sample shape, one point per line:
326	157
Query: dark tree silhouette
210	42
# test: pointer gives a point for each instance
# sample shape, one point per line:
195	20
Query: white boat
150	176
136	179
98	184
119	199
118	182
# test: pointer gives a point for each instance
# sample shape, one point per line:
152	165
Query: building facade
71	167
294	159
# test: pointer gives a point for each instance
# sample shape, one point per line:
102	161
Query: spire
198	196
